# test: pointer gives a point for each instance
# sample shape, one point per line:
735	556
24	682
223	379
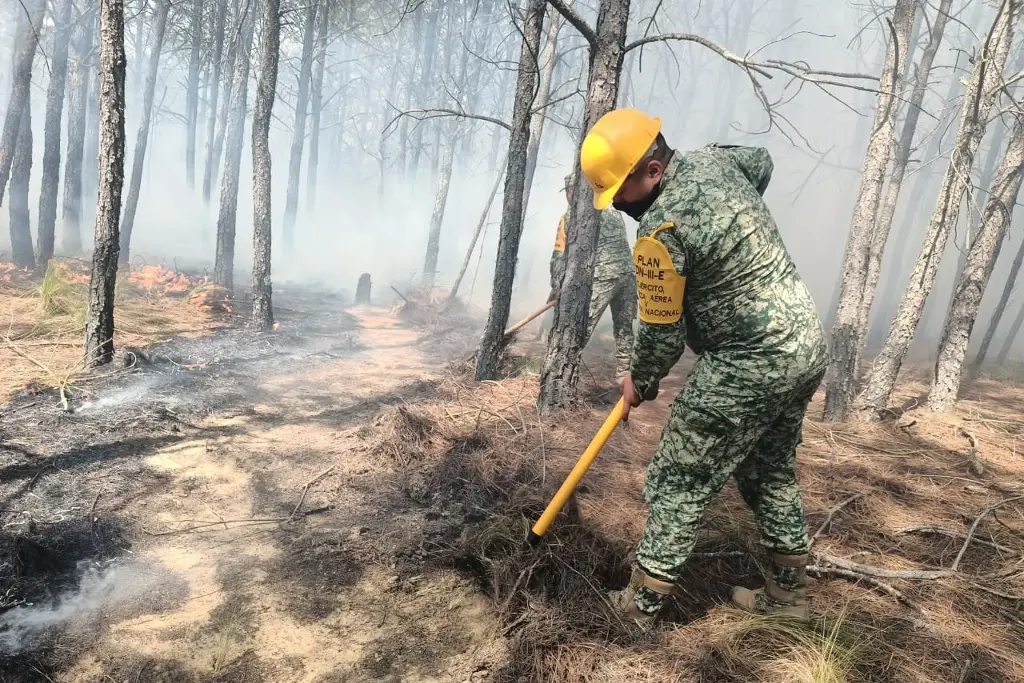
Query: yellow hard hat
614	145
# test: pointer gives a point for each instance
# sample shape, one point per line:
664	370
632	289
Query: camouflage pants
727	421
620	294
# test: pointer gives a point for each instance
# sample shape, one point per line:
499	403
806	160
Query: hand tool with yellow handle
573	480
522	323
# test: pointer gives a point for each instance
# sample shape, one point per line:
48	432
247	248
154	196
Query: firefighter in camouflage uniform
613	284
713	273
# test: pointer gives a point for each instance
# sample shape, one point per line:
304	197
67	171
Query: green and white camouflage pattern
614	257
614	285
761	355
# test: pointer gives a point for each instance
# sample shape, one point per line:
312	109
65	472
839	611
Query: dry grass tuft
399	435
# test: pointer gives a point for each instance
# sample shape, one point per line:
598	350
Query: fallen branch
239	522
993	591
305	489
832	513
977	520
941	531
855	576
878	572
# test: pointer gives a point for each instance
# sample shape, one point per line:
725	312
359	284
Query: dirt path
231	579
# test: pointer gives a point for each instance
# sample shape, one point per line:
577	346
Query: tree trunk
28	40
512	203
976	273
21	171
224	267
77	91
899	264
317	97
99	321
291	201
561	372
51	133
1011	337
1000	310
476	235
540	115
222	69
262	308
90	169
426	83
437	217
737	42
847	333
192	94
903	151
142	137
978	97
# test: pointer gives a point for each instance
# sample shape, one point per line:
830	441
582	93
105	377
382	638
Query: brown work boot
643	598
785	592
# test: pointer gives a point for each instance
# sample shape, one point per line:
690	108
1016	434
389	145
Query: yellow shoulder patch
659	287
560	237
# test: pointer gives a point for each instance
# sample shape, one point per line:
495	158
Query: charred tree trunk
847	333
560	375
21	171
51	133
363	290
215	133
24	54
437	217
512	204
476	236
77	91
160	10
99	321
262	308
224	267
540	106
976	273
978	98
192	94
291	200
317	97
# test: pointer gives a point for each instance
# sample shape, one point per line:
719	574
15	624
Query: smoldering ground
100	593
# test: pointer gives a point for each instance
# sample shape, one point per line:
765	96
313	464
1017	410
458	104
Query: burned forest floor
339	501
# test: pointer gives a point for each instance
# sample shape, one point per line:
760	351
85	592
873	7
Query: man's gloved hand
632	396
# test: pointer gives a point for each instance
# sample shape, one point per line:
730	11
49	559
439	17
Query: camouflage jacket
613	256
742	294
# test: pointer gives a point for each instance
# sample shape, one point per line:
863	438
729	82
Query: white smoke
102	591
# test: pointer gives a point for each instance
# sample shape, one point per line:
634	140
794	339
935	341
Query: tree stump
363	289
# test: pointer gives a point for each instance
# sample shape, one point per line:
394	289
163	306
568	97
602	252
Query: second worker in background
614	281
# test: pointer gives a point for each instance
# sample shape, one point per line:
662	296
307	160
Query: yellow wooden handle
522	323
573	480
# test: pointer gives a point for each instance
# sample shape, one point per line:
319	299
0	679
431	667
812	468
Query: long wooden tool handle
573	480
522	323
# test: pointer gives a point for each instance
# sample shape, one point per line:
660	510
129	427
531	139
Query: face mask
637	209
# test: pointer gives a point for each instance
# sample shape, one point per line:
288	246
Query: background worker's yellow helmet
614	145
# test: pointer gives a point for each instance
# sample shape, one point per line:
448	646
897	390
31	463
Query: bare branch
426	114
576	20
